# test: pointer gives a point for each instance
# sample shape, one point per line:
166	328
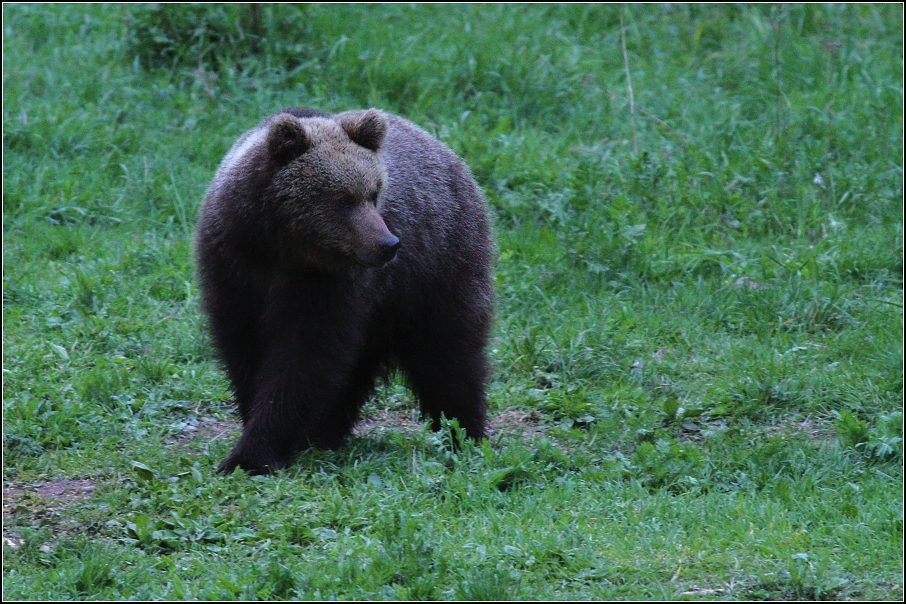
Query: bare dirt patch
517	422
200	434
41	503
408	421
54	492
817	430
67	489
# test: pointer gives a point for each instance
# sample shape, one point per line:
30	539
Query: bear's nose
389	247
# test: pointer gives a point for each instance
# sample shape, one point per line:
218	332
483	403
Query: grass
698	351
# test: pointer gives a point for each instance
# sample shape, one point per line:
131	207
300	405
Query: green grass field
698	352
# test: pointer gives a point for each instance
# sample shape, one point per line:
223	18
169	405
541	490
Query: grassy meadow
698	351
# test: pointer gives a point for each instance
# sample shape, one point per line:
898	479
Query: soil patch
820	431
41	502
60	491
408	421
518	422
206	430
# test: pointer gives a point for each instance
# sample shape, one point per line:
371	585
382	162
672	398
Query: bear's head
328	188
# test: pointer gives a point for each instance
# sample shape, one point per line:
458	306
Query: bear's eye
374	197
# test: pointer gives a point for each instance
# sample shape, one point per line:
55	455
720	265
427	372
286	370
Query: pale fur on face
239	158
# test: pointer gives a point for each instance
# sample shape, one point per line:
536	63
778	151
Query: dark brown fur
305	309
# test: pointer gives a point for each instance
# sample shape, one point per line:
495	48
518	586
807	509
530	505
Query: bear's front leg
299	391
272	430
282	413
254	454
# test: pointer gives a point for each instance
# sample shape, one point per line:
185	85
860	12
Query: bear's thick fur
331	249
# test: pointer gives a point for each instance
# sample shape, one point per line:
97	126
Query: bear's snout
384	252
372	242
389	247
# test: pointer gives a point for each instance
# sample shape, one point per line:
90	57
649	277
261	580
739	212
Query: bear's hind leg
450	381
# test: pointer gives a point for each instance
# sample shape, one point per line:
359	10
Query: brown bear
332	249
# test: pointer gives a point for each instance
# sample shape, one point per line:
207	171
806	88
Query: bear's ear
365	128
287	139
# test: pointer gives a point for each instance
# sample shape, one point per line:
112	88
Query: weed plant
698	349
